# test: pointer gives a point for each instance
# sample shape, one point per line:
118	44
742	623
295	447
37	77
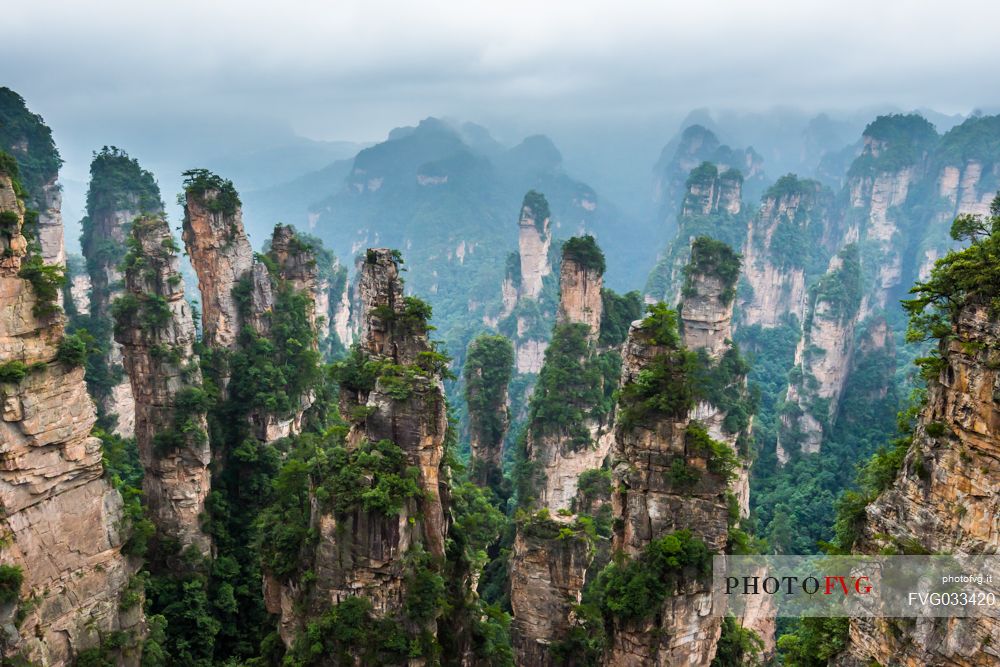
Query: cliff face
154	326
226	267
63	525
794	229
650	502
580	286
533	241
682	468
50	227
487	373
365	551
548	569
943	499
712	205
120	190
526	309
221	255
696	145
823	356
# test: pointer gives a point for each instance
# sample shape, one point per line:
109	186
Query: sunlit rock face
62	522
159	357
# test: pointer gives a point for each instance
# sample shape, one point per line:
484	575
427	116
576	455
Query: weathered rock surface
119	192
823	356
580	295
533	241
648	506
944	500
548	573
157	336
221	255
775	269
364	553
62	522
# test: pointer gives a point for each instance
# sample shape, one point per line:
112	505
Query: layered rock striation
154	326
823	357
943	499
63	526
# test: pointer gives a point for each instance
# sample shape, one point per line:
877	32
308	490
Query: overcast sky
351	70
169	80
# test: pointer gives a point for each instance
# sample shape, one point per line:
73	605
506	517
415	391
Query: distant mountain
448	195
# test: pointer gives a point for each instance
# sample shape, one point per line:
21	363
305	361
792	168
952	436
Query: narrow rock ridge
364	552
120	190
943	499
548	570
220	254
823	356
63	524
155	328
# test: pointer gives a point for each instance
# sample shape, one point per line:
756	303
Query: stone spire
63	526
156	331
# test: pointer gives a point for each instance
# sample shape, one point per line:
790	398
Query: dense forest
426	431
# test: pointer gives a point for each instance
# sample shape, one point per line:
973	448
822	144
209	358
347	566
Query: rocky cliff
823	356
695	145
63	525
154	326
680	456
120	191
567	438
943	497
791	236
242	293
26	137
712	205
369	548
220	253
525	314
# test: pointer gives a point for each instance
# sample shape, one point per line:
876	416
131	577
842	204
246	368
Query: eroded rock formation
943	499
220	253
552	553
120	191
712	205
155	328
62	525
365	551
682	468
823	356
525	311
793	231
